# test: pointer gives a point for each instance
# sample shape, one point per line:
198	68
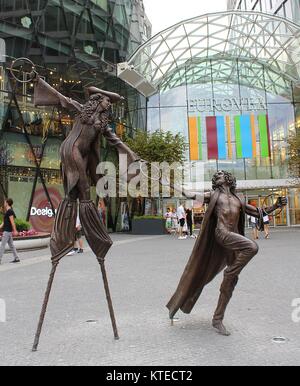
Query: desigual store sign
41	214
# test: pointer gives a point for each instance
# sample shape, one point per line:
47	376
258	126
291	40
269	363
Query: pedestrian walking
266	220
190	223
78	246
9	230
174	221
168	218
254	226
181	218
102	211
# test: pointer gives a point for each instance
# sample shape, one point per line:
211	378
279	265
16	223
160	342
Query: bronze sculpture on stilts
221	243
79	160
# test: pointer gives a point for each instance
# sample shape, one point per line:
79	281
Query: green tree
294	155
158	147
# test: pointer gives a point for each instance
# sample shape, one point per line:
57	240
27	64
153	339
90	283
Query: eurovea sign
202	105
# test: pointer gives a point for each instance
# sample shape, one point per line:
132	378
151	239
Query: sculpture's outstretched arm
256	212
46	95
203	197
252	211
122	148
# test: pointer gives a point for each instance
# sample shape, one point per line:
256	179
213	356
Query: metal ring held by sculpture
146	175
265	204
26	60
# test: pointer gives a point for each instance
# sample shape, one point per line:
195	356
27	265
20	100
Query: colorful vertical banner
264	133
253	131
238	137
245	135
221	132
229	141
195	137
212	138
216	138
200	138
219	139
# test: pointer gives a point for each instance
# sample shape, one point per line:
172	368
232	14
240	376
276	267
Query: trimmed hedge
22	225
148	218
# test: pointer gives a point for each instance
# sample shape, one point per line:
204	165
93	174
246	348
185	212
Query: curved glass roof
268	47
230	70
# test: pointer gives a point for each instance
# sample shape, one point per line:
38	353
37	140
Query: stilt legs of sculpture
62	242
100	242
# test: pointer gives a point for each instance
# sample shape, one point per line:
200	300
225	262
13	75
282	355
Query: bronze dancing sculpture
79	160
221	243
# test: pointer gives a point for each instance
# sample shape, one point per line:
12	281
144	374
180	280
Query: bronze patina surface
221	244
80	156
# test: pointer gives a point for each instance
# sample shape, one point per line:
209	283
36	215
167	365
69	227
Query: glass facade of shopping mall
201	69
285	8
230	66
171	109
74	44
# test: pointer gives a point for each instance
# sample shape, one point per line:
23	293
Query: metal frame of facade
74	44
250	37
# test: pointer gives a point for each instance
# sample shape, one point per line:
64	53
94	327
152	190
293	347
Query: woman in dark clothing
9	230
190	222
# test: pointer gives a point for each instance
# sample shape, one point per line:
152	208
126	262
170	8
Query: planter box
40	241
148	227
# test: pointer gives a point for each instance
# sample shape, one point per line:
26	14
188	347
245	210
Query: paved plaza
143	273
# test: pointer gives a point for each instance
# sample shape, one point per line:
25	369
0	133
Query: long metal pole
44	308
108	298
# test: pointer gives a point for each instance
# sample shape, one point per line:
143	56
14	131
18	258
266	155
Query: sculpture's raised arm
46	95
257	212
201	196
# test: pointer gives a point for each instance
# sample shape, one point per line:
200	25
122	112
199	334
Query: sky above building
164	13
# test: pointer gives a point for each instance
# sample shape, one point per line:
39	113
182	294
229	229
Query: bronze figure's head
100	102
96	105
223	178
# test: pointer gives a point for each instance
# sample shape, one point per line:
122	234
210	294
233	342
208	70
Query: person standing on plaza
190	222
9	230
78	235
181	218
168	218
78	246
254	226
266	220
102	211
174	220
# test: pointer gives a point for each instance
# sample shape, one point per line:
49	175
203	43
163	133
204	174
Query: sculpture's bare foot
221	329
